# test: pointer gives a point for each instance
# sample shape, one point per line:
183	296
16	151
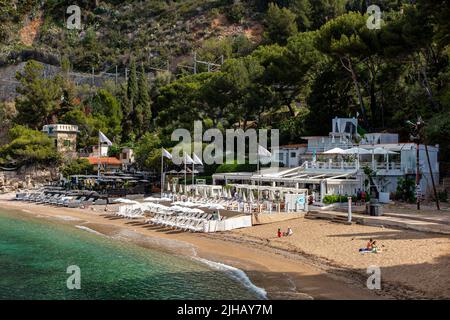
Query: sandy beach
319	261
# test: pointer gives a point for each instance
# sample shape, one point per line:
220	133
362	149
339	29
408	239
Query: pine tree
144	103
39	98
127	109
132	85
129	100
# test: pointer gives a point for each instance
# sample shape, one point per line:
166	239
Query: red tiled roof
104	160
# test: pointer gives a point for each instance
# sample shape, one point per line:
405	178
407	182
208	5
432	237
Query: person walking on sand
363	197
279	233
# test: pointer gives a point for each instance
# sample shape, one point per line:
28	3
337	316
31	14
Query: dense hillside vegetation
288	64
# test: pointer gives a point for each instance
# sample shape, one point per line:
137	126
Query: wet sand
285	272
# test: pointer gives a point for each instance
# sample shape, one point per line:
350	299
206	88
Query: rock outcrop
26	178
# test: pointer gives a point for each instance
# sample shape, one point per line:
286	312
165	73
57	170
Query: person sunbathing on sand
370	244
368	247
289	232
371	247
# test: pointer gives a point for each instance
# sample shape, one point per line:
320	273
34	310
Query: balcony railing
381	167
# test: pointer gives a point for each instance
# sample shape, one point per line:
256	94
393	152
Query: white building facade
312	167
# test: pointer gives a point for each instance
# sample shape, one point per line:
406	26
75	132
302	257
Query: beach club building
107	164
337	165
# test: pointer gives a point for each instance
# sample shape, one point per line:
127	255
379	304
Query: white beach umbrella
168	186
174	188
152	199
334	151
382	151
244	198
180	189
124	200
229	194
356	150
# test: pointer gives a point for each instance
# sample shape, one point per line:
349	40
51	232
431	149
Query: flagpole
185	171
99	155
259	180
162	174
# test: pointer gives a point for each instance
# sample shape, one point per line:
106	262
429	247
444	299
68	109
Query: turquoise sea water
35	254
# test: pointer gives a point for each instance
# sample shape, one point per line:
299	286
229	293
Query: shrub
235	167
236	12
442	196
77	166
406	190
329	199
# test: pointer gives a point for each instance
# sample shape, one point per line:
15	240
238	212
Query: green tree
144	103
106	105
288	70
303	10
28	147
248	97
280	24
39	98
148	152
349	40
437	13
326	10
236	12
77	166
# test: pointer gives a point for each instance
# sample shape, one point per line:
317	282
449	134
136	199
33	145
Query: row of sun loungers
235	205
194	222
57	199
131	211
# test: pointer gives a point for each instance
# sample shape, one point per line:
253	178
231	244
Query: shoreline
283	274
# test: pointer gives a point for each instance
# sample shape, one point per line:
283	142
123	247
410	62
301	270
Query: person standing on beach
279	233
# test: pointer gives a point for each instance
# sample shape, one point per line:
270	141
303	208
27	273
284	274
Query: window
67	143
293	154
281	156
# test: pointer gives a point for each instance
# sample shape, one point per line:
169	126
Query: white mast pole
185	171
162	174
99	155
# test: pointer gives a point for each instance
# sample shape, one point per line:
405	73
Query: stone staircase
335	218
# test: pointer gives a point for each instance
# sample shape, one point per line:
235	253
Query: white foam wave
89	230
67	218
236	274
